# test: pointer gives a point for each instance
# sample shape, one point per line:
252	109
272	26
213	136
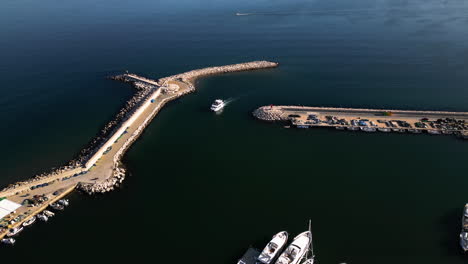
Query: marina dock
369	120
100	170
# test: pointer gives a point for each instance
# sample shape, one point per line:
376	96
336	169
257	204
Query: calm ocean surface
203	187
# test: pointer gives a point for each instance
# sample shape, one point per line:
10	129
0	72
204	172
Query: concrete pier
100	170
369	120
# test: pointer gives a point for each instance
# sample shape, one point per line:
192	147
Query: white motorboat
57	206
64	202
14	231
273	248
48	213
9	241
464	231
30	221
42	217
368	129
217	105
433	132
296	251
383	129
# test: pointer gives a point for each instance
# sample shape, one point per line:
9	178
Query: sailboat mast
311	249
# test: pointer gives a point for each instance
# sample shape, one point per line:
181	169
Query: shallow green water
203	187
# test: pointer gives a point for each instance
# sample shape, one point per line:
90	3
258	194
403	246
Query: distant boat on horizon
242	14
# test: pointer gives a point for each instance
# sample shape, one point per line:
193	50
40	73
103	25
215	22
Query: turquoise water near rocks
203	187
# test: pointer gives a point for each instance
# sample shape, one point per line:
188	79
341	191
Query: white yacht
14	231
9	241
273	248
296	251
464	231
64	202
30	221
217	105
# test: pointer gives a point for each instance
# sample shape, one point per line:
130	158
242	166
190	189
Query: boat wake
230	100
321	12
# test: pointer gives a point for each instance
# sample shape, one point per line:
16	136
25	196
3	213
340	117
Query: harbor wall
121	130
20	187
142	92
276	113
191	76
382	120
118	171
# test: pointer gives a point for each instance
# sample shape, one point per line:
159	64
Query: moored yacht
368	129
14	231
48	213
464	231
30	221
57	206
217	105
42	217
64	202
9	241
273	248
296	251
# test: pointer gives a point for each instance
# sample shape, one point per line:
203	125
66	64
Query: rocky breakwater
269	113
118	170
143	90
191	76
118	175
45	177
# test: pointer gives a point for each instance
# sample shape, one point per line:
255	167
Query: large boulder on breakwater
268	113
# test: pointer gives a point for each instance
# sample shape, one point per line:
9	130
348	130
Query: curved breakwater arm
102	170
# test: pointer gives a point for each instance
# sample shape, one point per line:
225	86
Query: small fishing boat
383	129
64	202
433	132
8	241
30	221
48	213
57	206
464	231
368	129
42	217
273	248
14	231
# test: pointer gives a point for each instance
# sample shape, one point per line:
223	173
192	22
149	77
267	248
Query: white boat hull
273	248
296	251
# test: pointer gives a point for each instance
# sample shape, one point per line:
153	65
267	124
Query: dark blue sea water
204	187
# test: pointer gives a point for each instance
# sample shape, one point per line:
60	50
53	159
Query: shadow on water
450	227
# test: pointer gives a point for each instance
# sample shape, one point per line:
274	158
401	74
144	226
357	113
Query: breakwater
98	168
118	170
191	76
369	120
142	91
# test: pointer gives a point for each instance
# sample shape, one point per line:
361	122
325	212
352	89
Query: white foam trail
230	100
319	12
